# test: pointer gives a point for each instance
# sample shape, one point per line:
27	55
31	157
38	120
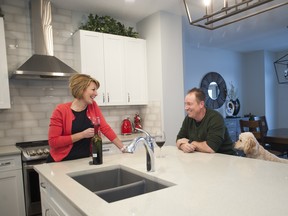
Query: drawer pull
46	211
5	164
42	184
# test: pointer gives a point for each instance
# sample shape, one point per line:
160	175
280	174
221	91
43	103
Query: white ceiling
266	31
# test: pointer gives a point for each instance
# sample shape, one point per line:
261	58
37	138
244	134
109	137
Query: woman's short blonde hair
78	83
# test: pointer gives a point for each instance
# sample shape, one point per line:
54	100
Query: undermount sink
118	182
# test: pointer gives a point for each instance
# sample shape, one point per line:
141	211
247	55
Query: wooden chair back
254	127
263	123
259	128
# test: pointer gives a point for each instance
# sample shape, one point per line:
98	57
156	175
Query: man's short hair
199	93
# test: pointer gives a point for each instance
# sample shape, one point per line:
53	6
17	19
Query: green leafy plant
107	24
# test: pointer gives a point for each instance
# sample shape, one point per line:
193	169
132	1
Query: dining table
277	138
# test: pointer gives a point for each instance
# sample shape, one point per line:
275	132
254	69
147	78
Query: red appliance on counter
126	127
137	123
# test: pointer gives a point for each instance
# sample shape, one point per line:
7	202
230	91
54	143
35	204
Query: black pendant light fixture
281	69
217	14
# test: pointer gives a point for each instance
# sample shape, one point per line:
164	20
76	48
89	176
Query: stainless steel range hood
43	64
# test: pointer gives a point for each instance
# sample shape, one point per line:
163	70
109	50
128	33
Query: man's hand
187	148
184	145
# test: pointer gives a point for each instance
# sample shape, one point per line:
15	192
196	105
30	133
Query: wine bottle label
94	154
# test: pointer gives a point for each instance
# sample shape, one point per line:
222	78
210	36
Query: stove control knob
32	153
39	151
46	151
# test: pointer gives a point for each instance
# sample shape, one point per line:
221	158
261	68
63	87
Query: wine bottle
97	154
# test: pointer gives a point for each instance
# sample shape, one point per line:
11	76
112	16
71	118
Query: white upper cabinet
89	58
117	62
4	80
114	69
135	71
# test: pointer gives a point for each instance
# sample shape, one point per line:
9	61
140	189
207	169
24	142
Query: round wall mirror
215	89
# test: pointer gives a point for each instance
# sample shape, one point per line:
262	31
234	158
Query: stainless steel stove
34	150
32	153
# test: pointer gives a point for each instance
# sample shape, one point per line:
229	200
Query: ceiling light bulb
207	2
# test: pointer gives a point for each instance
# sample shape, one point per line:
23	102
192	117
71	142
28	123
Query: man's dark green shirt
211	129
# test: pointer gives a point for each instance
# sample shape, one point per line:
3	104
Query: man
203	129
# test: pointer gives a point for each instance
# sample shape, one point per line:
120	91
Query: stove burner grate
34	150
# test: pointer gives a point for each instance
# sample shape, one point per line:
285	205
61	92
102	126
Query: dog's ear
249	145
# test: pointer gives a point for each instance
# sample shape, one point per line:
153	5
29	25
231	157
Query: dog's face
247	143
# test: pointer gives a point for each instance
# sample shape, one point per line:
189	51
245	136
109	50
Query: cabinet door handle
128	97
103	96
108	97
42	184
5	164
46	211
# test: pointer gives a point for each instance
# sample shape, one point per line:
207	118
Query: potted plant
107	24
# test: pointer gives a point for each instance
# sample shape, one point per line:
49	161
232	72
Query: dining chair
253	126
269	146
259	128
263	122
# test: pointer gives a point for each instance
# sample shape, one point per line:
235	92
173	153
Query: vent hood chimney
43	64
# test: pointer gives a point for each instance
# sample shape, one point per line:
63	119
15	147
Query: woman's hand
88	133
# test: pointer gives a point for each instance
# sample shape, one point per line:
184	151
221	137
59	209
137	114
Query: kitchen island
205	184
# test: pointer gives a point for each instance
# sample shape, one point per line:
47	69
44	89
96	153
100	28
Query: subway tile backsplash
32	106
32	102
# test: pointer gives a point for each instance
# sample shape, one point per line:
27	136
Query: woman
71	128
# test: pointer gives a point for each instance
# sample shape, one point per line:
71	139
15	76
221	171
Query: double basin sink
118	182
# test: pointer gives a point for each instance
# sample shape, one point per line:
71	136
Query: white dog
249	144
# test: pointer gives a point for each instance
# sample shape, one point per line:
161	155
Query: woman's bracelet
123	149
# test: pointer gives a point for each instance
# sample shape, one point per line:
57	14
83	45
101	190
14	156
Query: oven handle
28	167
31	166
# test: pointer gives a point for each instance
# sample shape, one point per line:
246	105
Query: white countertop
206	184
9	150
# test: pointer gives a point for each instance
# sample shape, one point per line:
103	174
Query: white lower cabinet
11	186
53	202
48	206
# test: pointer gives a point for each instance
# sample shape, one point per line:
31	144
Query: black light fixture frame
208	20
281	67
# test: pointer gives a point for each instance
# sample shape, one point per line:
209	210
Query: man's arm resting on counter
202	147
184	145
181	141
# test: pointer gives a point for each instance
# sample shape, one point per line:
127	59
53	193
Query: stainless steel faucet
148	142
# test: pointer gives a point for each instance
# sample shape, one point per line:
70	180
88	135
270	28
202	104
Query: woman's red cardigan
59	135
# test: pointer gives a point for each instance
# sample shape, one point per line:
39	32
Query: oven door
31	188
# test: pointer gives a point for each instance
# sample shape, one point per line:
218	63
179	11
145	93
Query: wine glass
160	140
